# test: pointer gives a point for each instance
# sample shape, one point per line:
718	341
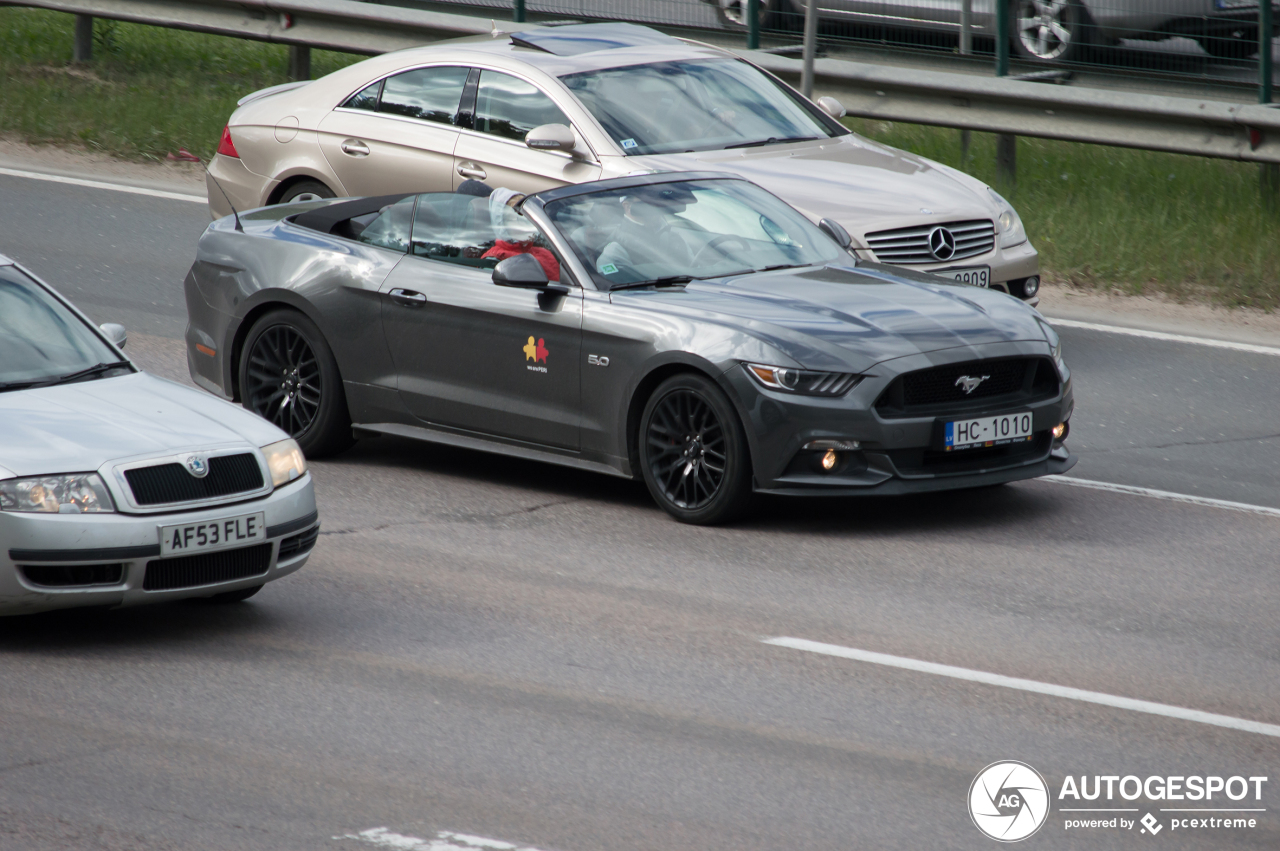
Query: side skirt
488	444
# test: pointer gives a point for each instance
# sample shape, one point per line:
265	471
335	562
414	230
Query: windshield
693	229
41	340
695	105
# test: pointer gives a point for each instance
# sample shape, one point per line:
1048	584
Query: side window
390	227
477	232
367	99
510	107
428	94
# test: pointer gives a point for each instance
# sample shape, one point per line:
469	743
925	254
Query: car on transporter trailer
688	329
548	106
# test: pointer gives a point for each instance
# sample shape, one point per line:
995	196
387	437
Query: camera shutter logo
1008	801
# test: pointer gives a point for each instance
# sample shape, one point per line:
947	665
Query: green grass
1134	221
1105	218
147	92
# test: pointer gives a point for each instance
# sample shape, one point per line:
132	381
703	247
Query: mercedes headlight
1009	224
64	494
285	461
803	381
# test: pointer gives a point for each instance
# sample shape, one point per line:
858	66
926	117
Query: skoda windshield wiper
96	369
668	281
772	140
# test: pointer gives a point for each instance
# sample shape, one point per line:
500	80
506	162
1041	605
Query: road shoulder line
1164	336
1134	490
102	184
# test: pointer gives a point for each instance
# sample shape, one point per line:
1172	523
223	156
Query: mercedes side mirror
836	231
832	107
116	334
552	137
522	270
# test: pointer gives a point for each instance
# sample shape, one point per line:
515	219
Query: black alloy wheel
693	452
306	190
289	377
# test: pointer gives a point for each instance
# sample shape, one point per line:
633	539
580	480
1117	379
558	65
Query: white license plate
189	538
978	276
987	431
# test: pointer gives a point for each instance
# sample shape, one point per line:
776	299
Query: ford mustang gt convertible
690	329
119	488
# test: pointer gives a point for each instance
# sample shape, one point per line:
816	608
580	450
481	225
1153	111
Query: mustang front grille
920	245
169	483
942	389
167	574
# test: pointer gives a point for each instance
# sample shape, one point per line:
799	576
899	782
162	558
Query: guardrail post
810	45
82	47
966	48
1006	143
753	24
1270	171
517	11
299	62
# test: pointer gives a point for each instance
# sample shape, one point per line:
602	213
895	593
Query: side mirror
116	334
836	231
522	270
832	107
551	137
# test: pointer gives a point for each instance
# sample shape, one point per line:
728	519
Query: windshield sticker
628	144
609	269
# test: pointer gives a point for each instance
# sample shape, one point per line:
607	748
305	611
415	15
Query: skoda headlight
64	494
285	461
1009	225
803	381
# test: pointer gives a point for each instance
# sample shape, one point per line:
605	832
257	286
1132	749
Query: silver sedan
119	488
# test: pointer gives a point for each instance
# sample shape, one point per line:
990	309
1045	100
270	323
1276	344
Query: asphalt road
507	650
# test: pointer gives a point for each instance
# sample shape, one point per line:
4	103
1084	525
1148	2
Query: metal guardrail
1248	132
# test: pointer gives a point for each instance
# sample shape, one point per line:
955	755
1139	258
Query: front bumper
95	544
898	454
1009	266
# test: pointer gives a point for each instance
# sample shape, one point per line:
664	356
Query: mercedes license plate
978	276
189	538
987	431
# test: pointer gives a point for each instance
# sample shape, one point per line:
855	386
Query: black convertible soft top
328	217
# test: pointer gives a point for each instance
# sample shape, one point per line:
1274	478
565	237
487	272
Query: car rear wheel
307	190
289	377
1051	30
693	451
234	596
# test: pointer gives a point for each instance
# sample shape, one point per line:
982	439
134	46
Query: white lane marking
1162	335
1027	685
102	184
444	841
1265	511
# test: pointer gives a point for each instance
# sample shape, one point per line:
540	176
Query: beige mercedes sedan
549	106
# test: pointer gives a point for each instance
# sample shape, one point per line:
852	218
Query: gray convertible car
690	329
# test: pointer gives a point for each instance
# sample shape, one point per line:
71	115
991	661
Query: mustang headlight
1009	225
285	461
64	494
803	381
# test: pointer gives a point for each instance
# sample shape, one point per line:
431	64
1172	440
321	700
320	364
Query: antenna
239	227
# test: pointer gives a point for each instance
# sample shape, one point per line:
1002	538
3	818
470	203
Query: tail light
226	147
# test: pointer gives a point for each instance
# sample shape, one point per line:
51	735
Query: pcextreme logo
536	352
1008	801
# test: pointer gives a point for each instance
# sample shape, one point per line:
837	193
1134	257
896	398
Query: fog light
1030	286
1059	431
829	460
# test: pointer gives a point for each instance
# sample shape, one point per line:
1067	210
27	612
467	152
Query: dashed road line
1165	336
102	184
1034	686
381	837
1152	493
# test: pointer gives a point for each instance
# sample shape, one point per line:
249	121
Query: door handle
409	298
355	148
471	170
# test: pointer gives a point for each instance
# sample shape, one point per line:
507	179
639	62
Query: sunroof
587	38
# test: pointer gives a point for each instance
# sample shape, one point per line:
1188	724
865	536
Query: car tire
774	15
234	596
693	451
289	377
1240	46
1069	41
306	190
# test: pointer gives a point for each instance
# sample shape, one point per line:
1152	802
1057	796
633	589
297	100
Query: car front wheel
693	451
289	377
